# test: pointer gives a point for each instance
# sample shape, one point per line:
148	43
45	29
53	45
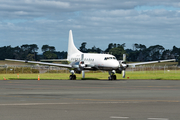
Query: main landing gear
112	75
72	76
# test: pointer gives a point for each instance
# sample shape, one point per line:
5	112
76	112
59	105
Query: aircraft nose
115	64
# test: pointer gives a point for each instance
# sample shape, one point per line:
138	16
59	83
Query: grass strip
152	75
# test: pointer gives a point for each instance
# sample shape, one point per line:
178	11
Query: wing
54	60
143	63
42	63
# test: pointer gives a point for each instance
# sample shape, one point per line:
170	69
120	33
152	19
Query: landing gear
112	75
72	77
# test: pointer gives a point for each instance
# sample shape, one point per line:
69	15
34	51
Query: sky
96	22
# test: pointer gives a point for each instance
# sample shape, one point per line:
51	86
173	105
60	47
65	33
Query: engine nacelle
81	64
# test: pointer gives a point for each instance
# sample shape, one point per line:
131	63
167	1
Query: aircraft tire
72	77
114	77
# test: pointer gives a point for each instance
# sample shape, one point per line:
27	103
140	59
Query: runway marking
31	104
115	117
158	119
75	103
18	104
132	101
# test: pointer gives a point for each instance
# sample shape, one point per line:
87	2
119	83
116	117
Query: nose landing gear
72	77
112	75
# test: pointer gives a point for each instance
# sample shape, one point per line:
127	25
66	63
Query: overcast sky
97	22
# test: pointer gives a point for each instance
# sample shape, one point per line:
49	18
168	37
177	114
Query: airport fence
31	69
9	69
155	68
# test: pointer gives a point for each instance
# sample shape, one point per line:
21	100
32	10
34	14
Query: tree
25	47
49	55
33	48
45	48
139	46
178	60
6	52
118	52
49	52
83	47
48	48
110	46
61	55
166	54
17	52
175	52
30	57
94	50
52	49
155	52
28	49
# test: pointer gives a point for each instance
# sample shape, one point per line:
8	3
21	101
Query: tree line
138	53
30	52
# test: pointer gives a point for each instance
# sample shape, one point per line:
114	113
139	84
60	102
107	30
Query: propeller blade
83	74
123	73
124	57
82	57
81	63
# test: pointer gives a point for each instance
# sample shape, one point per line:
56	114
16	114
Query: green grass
153	75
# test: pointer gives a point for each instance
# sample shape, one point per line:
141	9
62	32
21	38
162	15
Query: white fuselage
99	61
91	61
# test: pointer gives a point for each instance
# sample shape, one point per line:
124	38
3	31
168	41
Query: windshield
110	58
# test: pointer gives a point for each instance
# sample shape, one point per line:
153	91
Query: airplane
79	62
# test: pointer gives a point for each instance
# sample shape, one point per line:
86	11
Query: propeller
124	57
123	66
82	65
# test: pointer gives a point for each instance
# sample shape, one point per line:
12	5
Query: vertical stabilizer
71	47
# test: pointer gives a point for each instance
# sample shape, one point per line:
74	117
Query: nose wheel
112	75
72	77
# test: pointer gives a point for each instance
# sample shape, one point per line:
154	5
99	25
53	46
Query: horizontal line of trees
138	53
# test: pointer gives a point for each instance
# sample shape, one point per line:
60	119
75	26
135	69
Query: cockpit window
110	58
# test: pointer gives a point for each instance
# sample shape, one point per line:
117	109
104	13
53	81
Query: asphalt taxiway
89	100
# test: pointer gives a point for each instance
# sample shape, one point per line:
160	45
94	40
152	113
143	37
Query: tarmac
89	100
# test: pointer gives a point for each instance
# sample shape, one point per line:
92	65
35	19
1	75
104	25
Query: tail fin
71	47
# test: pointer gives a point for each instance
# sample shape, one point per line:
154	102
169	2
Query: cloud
92	21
